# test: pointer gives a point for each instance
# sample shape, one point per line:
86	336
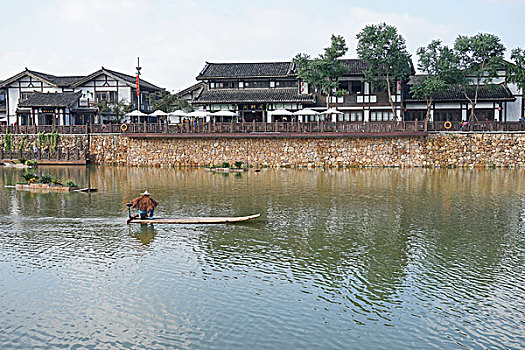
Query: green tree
115	110
516	70
163	100
383	49
183	104
480	58
323	72
440	68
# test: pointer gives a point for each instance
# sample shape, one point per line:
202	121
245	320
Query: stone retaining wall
435	150
109	149
25	143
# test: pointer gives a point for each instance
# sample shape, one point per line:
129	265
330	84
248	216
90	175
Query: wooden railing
260	127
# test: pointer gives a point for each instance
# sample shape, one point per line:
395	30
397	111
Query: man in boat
145	205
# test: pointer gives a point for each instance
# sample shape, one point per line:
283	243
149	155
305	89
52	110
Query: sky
174	39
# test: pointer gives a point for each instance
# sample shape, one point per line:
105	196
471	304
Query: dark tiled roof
455	93
194	87
74	81
58	81
246	70
131	79
52	79
269	69
355	66
252	95
41	99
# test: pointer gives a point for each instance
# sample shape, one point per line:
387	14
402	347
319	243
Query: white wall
23	85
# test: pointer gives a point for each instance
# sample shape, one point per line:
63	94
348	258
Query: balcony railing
276	128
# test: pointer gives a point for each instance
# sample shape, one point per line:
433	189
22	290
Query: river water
340	259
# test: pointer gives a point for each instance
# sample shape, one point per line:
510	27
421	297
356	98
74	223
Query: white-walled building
3	118
34	98
498	101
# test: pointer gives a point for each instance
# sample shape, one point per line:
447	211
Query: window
381	116
257	84
355	87
108	96
413	115
272	84
241	84
337	99
484	114
356	116
25	119
25	95
286	83
447	115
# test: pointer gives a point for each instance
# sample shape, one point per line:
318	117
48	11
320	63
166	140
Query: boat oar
129	213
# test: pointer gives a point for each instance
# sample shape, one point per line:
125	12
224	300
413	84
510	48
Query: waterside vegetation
34	181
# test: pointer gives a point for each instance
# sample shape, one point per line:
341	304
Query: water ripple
368	258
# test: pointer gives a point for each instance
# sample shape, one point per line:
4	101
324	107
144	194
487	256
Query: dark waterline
360	258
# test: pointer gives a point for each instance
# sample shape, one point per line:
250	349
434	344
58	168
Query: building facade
35	98
498	101
3	104
256	90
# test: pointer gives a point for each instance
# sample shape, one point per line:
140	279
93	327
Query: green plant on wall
53	141
23	142
47	140
8	141
40	140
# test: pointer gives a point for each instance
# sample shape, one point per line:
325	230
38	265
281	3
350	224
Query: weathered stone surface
435	150
65	144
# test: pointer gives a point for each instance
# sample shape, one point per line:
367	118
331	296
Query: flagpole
138	85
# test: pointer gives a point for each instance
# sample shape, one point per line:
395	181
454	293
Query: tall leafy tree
384	50
440	68
115	109
516	70
183	104
163	100
324	71
480	58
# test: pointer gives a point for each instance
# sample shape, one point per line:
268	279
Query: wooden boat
193	220
87	189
